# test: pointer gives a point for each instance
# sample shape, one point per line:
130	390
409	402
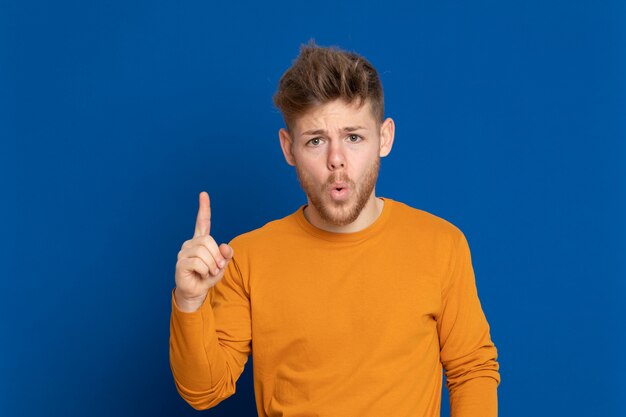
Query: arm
467	353
209	347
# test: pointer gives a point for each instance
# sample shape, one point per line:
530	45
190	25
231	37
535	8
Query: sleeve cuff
185	315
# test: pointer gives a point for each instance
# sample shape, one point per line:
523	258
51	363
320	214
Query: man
351	306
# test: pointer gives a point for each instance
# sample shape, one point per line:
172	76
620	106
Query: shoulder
420	228
265	235
424	221
435	238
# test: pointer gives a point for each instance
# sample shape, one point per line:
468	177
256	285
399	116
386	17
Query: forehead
335	114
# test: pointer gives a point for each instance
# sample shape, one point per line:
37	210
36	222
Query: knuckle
208	240
199	266
204	265
211	264
196	263
187	252
180	264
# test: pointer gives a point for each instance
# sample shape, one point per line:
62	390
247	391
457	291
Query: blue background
114	116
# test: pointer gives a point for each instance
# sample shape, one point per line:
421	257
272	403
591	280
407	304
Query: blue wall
114	116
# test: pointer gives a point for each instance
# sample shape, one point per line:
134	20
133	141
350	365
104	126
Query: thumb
227	251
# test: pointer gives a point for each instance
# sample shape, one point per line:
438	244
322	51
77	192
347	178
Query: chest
324	301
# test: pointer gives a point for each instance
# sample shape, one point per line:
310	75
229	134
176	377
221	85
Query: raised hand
201	262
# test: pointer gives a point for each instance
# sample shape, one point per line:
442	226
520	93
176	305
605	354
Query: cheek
312	165
364	164
310	171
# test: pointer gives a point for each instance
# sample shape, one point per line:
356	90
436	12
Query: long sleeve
350	324
210	347
467	353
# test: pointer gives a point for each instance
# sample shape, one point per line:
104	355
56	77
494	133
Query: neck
368	215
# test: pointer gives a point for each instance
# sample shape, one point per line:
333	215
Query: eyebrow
323	131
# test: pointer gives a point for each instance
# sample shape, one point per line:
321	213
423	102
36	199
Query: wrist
188	305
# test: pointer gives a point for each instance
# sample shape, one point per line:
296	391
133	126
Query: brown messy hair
322	74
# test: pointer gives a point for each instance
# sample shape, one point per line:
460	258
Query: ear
286	144
387	131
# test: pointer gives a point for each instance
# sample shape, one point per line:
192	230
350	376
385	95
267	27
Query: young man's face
336	149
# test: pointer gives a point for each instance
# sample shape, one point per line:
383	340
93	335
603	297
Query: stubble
345	212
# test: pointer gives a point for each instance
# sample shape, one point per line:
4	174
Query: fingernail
222	263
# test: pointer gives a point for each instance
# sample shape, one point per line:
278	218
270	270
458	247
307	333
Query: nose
336	158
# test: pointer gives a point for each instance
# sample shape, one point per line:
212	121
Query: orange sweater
355	324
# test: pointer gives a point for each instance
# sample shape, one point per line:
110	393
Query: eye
354	138
314	142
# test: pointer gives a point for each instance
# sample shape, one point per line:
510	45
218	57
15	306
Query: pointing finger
203	221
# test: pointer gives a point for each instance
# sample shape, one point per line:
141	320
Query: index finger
203	221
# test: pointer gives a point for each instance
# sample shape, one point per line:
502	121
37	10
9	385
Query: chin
341	214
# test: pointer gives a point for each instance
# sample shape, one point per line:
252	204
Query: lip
340	195
336	185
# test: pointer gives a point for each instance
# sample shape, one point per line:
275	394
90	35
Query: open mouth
339	193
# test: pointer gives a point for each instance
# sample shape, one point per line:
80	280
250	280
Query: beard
340	213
